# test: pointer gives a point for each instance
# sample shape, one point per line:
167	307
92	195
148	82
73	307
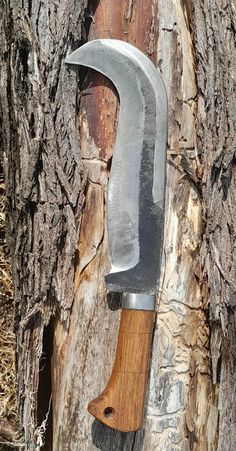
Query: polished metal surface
138	301
137	179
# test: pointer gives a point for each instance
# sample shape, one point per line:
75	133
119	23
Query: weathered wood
58	131
180	385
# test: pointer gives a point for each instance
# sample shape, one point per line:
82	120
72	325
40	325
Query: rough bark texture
58	146
214	32
45	182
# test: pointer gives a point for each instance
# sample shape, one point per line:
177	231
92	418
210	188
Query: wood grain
121	404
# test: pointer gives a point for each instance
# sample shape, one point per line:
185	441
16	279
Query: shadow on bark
45	387
107	439
114	301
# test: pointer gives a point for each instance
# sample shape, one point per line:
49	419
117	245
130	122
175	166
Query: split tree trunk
58	130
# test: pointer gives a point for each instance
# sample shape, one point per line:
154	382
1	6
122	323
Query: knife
135	220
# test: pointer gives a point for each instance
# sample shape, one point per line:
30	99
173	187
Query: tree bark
214	31
58	131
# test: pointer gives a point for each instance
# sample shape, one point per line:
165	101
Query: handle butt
121	404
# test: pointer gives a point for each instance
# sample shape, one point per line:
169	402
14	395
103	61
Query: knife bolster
138	301
121	404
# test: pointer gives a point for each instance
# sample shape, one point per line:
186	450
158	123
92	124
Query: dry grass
8	417
7	358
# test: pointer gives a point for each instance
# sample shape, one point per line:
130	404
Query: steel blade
136	185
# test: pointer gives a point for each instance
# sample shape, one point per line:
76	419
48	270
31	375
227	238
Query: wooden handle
121	404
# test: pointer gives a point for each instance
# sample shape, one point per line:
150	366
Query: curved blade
136	186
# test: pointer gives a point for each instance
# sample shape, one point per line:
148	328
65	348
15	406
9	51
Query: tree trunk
58	130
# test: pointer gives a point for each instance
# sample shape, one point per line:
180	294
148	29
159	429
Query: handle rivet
109	412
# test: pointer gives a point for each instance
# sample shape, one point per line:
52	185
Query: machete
135	220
